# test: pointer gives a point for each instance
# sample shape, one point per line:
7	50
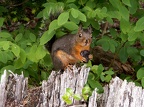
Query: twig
105	29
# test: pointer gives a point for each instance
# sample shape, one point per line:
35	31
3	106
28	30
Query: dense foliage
27	25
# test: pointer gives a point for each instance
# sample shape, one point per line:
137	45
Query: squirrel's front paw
90	56
84	59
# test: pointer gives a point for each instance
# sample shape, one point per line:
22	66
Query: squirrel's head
84	36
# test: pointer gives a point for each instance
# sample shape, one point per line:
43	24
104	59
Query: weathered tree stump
55	87
14	91
121	94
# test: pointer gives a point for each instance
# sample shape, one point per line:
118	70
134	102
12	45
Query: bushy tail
49	44
55	9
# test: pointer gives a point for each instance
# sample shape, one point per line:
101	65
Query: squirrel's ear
80	28
90	29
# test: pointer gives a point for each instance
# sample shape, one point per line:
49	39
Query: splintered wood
14	91
55	87
121	94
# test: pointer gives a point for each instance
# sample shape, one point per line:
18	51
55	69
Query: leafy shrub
86	92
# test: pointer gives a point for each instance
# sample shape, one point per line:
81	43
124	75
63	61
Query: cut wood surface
14	91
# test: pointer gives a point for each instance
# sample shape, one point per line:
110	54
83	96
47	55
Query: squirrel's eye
80	34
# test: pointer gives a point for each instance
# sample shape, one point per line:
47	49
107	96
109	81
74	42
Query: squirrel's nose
87	41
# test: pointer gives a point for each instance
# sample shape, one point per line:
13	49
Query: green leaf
77	97
18	63
127	2
68	101
142	52
115	3
53	25
109	20
124	25
10	55
104	42
101	13
133	53
40	14
3	9
31	54
5	35
70	1
92	14
45	13
63	18
46	37
91	3
95	24
71	26
8	67
139	25
86	90
67	95
102	77
82	16
18	37
114	14
60	33
85	97
69	90
92	83
112	47
15	50
100	69
113	32
40	52
99	87
3	57
109	72
32	37
124	12
44	75
95	84
132	35
1	21
142	82
94	68
74	13
89	64
22	56
140	73
108	78
6	45
123	54
105	46
124	37
75	20
134	6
